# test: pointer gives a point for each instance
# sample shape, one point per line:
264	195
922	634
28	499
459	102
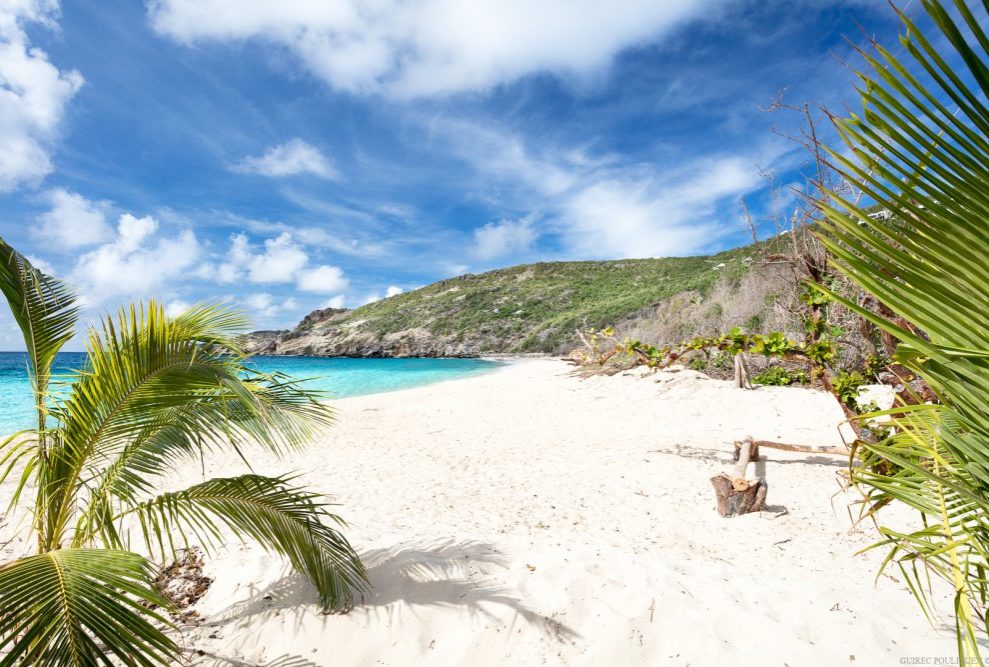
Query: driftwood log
735	492
807	449
753	449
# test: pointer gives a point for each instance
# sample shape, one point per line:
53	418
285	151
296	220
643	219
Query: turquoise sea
341	376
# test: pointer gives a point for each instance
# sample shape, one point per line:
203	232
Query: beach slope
529	517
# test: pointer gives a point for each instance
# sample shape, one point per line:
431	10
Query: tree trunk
741	373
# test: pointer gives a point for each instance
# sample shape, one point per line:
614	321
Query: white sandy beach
530	517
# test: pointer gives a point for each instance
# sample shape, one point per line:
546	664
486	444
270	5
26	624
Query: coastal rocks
349	341
262	342
319	317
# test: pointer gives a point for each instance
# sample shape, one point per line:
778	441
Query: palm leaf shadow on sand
446	575
280	661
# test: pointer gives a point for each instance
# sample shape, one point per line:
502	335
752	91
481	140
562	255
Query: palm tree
155	391
921	151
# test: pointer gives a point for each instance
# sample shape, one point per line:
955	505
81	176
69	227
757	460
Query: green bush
698	363
723	361
847	385
780	377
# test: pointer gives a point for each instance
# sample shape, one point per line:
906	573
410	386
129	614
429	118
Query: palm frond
285	519
920	150
156	388
45	311
81	607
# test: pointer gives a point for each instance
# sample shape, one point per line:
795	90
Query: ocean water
343	377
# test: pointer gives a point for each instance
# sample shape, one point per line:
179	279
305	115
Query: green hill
522	309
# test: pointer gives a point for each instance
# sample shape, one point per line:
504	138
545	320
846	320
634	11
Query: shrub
780	377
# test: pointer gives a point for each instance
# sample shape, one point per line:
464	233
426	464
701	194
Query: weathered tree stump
735	493
732	502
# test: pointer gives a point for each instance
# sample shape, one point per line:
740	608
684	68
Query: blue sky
286	156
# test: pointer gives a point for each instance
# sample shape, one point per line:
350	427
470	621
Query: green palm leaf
79	607
44	309
285	519
921	152
156	389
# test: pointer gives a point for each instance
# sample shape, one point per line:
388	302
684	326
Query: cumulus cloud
266	305
371	298
289	159
72	221
176	307
137	261
40	264
497	239
279	262
238	257
393	290
430	47
282	260
33	94
338	301
322	280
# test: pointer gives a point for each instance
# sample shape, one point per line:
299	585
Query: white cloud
176	307
33	94
72	221
597	206
266	306
322	280
354	247
336	302
655	215
136	262
393	290
289	159
238	258
497	239
430	47
41	265
281	260
262	302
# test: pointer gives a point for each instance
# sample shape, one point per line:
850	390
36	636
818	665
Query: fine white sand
530	517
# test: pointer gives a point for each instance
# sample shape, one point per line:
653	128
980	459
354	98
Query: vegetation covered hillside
535	307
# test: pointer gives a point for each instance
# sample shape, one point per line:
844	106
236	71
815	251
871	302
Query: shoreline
483	355
500	361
